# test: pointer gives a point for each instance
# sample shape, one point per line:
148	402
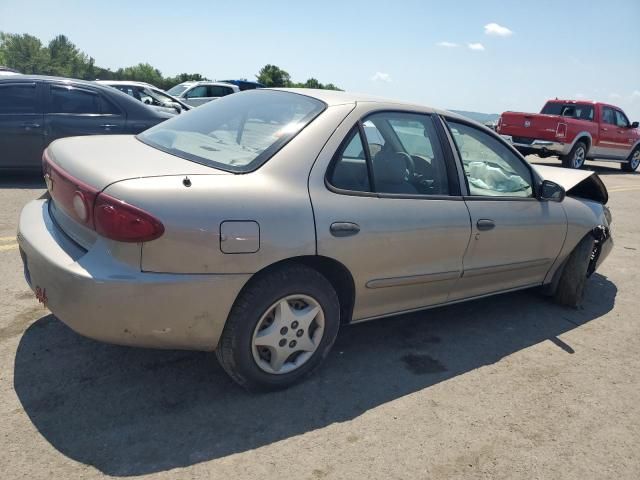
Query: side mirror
551	191
634	125
177	108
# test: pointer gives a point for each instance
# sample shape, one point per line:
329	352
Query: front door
388	208
515	237
21	125
74	111
608	143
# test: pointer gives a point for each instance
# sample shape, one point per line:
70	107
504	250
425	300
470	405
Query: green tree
24	52
143	72
272	76
67	61
312	83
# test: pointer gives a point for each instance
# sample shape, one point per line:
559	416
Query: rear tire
576	157
632	163
570	289
269	301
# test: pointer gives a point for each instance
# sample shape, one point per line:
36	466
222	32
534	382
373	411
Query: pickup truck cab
575	131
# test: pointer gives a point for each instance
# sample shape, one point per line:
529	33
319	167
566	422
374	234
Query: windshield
177	90
238	132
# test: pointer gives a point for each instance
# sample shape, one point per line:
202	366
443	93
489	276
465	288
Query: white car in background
198	93
149	95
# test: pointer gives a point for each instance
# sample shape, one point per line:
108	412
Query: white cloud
615	95
447	44
580	95
635	94
497	30
476	46
381	77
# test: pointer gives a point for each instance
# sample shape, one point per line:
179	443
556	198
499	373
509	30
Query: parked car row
575	131
36	110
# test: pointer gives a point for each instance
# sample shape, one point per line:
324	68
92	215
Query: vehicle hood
101	160
577	183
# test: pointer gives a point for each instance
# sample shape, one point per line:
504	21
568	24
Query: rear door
79	110
388	207
515	237
21	125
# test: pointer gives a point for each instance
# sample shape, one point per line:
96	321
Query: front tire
576	157
570	289
633	162
280	329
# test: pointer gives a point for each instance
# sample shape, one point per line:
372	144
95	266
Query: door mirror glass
551	191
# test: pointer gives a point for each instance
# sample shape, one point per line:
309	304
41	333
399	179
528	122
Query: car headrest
390	167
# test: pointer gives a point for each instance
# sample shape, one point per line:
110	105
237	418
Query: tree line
60	57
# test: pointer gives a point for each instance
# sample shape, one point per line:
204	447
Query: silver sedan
258	224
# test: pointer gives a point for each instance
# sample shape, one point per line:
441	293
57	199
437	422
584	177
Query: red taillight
75	197
499	124
561	130
120	221
108	216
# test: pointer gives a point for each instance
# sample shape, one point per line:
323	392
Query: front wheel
576	157
280	329
570	289
633	162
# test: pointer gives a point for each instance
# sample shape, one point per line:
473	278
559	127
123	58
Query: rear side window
578	111
219	91
238	132
350	171
400	152
608	116
66	99
18	98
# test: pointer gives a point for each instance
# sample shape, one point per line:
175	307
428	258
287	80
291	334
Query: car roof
190	83
47	78
126	82
338	97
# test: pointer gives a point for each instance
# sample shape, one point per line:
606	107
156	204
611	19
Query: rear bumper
541	146
105	299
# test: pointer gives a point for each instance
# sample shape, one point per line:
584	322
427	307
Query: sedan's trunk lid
104	159
90	164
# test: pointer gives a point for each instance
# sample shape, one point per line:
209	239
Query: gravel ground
508	387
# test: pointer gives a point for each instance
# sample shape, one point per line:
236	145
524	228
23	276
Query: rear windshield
237	133
573	110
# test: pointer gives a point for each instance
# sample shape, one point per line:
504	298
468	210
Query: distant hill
478	117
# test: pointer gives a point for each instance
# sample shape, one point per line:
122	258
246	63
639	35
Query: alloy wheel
578	158
635	160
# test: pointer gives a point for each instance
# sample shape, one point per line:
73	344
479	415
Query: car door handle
344	229
29	125
108	126
604	129
485	224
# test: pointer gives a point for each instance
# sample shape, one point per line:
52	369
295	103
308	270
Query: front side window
197	92
238	132
491	168
607	116
402	151
621	119
67	99
18	99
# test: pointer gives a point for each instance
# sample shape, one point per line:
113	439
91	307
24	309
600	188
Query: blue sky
536	50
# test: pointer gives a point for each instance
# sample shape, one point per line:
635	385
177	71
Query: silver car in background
199	93
149	95
258	224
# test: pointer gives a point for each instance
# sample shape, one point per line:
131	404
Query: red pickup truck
575	131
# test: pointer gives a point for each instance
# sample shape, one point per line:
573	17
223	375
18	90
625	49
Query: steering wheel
410	165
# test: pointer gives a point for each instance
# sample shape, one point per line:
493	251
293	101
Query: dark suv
36	110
